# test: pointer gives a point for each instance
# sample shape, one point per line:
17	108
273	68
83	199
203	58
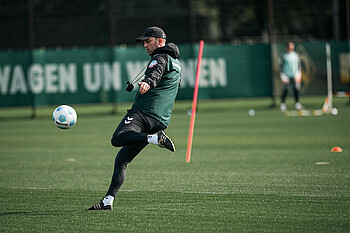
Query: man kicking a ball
150	113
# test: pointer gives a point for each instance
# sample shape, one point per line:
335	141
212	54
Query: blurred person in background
151	111
290	74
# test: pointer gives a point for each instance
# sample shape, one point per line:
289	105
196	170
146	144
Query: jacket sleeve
155	69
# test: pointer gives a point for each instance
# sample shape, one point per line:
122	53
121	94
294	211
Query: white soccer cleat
283	107
101	206
298	106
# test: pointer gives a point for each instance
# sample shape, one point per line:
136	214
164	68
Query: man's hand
284	78
298	77
144	87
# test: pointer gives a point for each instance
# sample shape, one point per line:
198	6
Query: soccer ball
64	117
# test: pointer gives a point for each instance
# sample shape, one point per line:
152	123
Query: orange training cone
337	149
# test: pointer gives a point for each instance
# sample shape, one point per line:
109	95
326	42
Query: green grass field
267	173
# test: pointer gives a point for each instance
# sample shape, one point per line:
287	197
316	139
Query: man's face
290	47
151	44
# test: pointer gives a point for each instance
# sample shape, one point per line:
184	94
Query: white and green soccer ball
64	117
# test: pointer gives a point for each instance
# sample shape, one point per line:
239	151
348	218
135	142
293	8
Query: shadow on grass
40	212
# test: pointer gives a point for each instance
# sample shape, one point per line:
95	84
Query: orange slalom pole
194	103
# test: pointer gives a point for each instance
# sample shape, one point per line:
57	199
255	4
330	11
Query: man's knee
115	140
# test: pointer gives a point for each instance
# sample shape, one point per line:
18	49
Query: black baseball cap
152	32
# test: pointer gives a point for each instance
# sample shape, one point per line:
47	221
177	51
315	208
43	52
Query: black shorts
137	121
135	127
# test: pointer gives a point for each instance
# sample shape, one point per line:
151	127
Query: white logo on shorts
129	119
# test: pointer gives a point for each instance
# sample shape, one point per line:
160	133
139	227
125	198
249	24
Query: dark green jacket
163	75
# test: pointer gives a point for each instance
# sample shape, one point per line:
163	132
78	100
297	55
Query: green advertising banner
98	75
13	79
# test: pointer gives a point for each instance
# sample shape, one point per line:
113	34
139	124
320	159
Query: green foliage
256	174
